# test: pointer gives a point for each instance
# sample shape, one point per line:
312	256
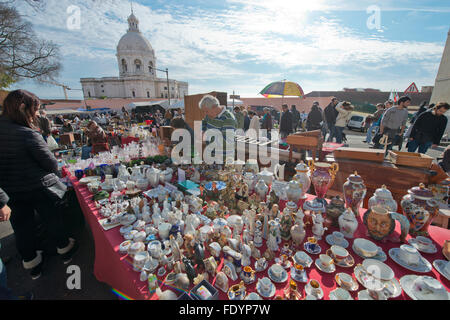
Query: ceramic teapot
303	177
266	175
294	191
420	208
153	176
380	223
354	192
136	173
348	223
383	197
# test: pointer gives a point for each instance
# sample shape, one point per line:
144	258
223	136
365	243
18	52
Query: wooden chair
309	140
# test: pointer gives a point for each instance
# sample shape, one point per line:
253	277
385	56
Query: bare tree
22	53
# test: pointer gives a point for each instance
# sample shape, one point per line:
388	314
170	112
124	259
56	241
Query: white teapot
266	175
348	223
123	173
136	173
153	176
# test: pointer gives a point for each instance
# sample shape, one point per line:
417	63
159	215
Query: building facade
136	60
441	91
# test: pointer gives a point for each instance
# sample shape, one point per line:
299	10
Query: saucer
423	266
333	297
309	291
299	277
308	249
261	269
277	280
439	265
407	283
364	295
329	239
354	286
346	263
307	259
253	296
381	256
429	249
269	294
330	269
392	287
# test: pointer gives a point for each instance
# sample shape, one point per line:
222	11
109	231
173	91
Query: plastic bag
52	144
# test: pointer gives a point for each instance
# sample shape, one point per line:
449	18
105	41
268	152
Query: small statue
190	271
318	230
176	252
189	245
273	199
272	243
286	224
256	254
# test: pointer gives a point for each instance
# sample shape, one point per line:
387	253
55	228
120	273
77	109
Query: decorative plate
392	288
439	265
430	249
329	239
330	269
423	266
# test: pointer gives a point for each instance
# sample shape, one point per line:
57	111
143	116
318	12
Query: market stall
221	233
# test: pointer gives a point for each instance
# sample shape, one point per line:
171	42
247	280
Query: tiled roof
300	103
115	104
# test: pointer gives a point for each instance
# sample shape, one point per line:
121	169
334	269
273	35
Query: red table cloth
128	140
116	269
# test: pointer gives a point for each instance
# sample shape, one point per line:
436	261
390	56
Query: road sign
412	89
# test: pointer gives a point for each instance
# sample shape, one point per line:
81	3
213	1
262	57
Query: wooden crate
410	159
66	139
359	154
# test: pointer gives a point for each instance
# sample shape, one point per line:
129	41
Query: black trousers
23	206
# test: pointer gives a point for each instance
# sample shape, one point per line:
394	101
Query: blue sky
243	45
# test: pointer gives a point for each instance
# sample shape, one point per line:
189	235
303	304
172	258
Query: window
89	94
150	67
103	90
134	94
171	95
101	86
171	88
138	64
165	88
148	94
124	65
162	95
165	95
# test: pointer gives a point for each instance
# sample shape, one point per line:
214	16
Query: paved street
52	284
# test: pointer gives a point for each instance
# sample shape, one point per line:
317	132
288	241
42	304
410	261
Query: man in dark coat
331	114
295	118
286	122
315	118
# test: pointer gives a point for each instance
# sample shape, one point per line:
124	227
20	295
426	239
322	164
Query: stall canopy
177	105
149	106
63	111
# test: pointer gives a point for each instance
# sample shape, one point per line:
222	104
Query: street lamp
167	77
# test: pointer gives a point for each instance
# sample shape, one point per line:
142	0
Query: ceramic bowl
340	294
378	269
366	247
339	252
408	254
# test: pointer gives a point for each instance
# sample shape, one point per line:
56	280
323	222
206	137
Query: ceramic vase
322	177
354	192
348	223
383	197
294	191
261	189
302	176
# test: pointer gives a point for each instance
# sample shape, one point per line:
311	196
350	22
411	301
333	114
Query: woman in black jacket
315	118
28	175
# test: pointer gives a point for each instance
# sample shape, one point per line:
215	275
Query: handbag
56	191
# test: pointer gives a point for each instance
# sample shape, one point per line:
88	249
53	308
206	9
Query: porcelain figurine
210	265
420	208
299	215
286	224
272	242
298	233
348	223
273	198
380	223
261	189
294	191
182	281
230	270
354	192
383	197
313	206
255	253
258	239
322	177
302	176
221	282
246	237
318	229
269	254
334	209
190	271
246	253
176	252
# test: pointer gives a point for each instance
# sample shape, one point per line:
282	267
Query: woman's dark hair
21	106
431	106
444	105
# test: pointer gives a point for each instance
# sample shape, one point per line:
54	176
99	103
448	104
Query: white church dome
134	40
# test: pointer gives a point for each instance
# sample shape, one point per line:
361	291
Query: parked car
357	122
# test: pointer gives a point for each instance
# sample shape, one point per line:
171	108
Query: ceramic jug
136	173
294	191
298	233
383	197
123	173
322	177
266	175
302	176
380	223
354	192
420	208
153	176
348	223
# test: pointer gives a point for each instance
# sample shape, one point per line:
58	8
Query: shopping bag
52	144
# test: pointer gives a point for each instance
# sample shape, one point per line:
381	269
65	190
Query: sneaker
36	272
26	296
365	141
67	257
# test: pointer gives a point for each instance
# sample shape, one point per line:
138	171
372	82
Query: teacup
277	271
409	254
298	268
301	258
341	294
346	280
139	260
315	286
248	272
338	237
154	248
339	253
265	284
312	242
423	242
326	261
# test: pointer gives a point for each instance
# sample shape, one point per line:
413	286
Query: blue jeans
339	131
332	129
369	132
423	148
